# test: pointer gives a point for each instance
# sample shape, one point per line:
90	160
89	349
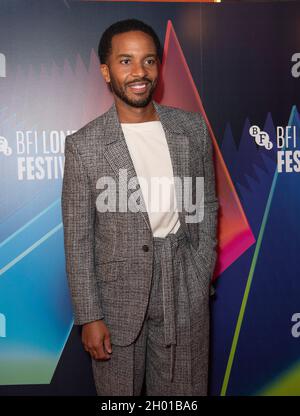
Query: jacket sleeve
206	254
78	213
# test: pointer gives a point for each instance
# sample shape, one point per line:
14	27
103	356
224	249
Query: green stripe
247	289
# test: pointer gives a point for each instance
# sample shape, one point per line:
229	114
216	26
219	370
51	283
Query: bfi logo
2	326
2	65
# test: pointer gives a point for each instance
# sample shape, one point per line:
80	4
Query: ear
105	72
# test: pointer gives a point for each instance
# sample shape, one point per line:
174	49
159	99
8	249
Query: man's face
132	68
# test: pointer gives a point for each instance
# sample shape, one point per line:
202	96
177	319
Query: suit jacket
108	269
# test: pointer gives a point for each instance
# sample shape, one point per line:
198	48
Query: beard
120	92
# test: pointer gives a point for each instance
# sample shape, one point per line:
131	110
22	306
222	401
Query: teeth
138	86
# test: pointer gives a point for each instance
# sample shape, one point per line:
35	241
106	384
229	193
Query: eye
150	61
126	60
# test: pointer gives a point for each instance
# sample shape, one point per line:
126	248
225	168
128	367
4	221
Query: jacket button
145	247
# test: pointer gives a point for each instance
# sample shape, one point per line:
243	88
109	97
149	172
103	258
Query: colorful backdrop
237	64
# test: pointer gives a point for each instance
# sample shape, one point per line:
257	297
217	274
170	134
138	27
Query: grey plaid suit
110	255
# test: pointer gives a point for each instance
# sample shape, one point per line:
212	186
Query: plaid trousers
171	352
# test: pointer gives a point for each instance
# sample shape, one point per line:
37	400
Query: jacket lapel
118	155
178	143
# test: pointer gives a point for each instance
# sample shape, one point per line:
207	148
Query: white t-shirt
150	154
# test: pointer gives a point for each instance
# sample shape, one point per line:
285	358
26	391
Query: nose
138	70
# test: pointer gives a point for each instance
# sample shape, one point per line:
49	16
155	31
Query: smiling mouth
139	87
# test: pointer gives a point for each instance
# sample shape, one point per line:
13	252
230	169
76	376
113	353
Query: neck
129	114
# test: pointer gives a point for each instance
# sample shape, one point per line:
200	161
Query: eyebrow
130	56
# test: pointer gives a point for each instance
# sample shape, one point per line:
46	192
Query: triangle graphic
179	90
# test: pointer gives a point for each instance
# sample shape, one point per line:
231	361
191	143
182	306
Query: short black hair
124	26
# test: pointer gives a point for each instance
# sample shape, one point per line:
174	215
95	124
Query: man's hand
96	340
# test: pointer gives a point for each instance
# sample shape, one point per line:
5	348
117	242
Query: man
140	277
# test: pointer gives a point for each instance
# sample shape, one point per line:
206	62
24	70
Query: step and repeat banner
239	65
